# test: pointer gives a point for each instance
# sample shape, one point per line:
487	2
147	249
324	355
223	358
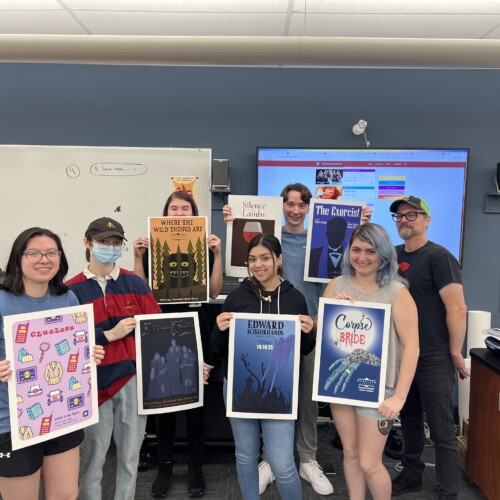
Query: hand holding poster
253	215
169	362
178	259
264	354
53	388
351	352
331	223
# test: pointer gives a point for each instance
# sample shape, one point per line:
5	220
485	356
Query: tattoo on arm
385	426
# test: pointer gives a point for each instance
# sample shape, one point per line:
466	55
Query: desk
483	449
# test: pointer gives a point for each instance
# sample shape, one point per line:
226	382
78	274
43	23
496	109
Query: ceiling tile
181	5
48	22
183	24
402	6
393	26
30	4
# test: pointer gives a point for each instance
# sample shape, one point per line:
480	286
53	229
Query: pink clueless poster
53	388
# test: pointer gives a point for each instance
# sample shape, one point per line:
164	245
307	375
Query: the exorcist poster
178	259
53	387
331	224
351	352
169	362
253	215
264	352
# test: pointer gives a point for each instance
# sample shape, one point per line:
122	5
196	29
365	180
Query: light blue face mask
106	254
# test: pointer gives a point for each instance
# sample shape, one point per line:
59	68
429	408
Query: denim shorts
373	413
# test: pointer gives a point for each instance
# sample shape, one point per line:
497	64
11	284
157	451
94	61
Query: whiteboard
64	188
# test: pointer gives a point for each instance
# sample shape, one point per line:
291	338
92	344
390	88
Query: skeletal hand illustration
344	368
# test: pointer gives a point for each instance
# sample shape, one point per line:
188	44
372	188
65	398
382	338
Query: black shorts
27	461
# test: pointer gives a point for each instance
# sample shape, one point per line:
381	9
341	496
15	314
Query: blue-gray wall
233	110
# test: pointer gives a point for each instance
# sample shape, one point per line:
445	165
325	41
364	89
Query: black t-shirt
428	270
206	315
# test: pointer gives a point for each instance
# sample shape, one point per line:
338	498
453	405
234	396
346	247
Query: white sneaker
313	473
266	476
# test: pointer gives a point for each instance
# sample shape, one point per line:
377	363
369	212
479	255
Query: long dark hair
180	195
272	243
13	282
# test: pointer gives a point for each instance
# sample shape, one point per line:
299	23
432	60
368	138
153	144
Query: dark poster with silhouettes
169	362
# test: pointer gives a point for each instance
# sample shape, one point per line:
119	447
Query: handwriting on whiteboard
118	169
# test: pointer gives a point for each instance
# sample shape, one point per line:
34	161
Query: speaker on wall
220	174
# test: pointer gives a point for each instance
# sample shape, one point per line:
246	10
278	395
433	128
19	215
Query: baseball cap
104	227
413	201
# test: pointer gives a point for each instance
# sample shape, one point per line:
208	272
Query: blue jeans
431	392
118	417
278	436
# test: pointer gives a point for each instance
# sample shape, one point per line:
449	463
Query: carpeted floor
221	481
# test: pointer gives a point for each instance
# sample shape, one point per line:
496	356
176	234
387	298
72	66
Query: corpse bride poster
169	361
351	352
264	352
253	215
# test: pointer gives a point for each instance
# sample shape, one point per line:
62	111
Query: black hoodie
284	300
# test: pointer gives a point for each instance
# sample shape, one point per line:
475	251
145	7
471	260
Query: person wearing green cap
435	283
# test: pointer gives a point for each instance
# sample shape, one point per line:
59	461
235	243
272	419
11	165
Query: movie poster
253	215
169	362
263	371
189	184
178	259
351	352
331	224
53	387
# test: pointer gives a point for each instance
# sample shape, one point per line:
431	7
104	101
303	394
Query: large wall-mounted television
377	177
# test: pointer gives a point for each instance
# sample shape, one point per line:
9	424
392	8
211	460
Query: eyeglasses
33	256
409	216
103	246
291	205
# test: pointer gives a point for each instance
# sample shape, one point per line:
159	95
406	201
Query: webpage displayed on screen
377	177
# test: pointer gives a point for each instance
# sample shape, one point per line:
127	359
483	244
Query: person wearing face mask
117	296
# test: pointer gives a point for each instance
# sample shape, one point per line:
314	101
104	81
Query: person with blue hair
369	274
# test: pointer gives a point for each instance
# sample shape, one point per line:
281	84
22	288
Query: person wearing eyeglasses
34	282
435	283
117	296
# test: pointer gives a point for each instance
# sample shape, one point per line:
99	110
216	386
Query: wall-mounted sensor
360	129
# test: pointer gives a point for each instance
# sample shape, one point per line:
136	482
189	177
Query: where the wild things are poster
178	259
169	362
264	352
